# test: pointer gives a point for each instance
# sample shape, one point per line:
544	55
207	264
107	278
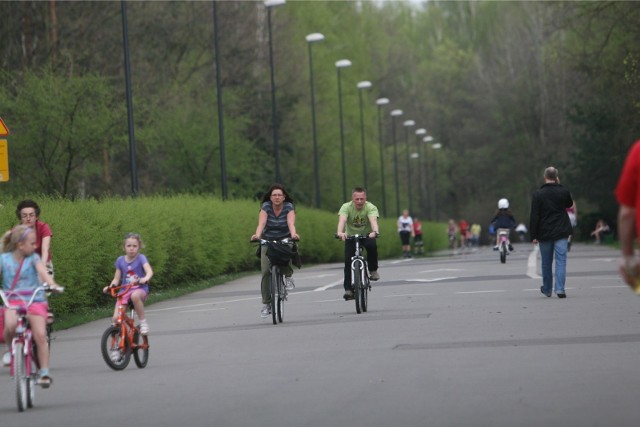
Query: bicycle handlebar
356	236
113	289
284	241
6	295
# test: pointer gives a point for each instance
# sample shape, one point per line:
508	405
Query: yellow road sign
4	130
4	161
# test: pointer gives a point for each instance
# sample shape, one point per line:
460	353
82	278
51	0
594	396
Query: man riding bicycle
358	217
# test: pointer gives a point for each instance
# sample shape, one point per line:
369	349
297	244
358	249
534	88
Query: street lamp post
223	161
435	146
313	38
361	86
276	147
380	102
420	132
394	114
407	124
343	63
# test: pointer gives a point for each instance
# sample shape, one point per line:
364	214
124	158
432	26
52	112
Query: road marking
481	292
437	279
202	310
398	261
441	269
608	287
409	295
329	286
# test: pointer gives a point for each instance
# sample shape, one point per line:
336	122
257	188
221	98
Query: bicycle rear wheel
115	356
140	349
364	294
357	286
20	376
503	252
274	294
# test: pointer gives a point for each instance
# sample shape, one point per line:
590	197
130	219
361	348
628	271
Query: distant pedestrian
405	230
418	243
549	226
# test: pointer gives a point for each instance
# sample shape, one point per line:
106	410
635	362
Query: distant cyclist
503	220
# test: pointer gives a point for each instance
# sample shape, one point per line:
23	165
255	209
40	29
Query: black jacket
549	219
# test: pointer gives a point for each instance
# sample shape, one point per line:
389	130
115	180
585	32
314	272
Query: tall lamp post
343	63
435	146
361	86
223	161
311	39
419	133
380	102
407	124
276	147
394	114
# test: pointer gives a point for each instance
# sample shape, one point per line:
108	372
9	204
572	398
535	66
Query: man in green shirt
358	217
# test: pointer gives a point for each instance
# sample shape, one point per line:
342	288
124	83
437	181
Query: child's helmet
503	204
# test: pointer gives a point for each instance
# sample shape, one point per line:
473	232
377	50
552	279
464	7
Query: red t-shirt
628	190
42	230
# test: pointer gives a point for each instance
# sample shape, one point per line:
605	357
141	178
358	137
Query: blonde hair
14	236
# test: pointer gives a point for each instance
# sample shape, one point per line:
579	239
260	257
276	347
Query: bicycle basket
279	254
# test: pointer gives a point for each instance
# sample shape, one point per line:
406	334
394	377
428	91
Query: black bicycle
360	281
279	253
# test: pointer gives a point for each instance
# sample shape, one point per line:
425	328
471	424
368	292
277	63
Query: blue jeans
548	250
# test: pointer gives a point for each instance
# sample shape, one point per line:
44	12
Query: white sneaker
144	327
6	359
115	355
288	283
266	311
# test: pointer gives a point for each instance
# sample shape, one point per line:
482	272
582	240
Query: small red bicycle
123	338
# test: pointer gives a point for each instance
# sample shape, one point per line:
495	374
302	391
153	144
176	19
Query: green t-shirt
358	220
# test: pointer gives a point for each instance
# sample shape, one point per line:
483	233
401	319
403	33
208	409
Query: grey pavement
452	340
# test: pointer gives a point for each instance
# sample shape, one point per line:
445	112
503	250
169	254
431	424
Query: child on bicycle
134	269
23	271
503	220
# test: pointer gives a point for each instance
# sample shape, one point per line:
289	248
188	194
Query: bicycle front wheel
357	286
364	294
140	349
281	297
20	376
116	350
273	286
503	252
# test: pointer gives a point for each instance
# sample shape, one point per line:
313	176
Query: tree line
505	88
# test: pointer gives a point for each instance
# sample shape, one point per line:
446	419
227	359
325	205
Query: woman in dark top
276	220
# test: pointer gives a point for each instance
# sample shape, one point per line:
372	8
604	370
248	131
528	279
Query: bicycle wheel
273	286
31	390
357	286
113	354
140	349
503	252
20	375
281	297
364	294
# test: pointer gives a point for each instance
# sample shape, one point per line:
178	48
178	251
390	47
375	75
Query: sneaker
144	327
495	248
510	247
288	283
562	295
266	311
44	381
114	355
348	295
6	359
374	276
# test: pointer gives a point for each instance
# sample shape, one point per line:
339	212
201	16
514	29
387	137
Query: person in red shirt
28	212
628	195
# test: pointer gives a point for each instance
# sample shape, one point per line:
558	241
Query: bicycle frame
123	336
24	362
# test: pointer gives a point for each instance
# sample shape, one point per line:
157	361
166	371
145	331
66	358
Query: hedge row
187	238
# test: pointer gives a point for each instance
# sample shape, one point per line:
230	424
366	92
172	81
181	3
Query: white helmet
503	204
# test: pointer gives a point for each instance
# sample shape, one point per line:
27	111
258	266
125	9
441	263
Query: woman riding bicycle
276	220
503	220
22	272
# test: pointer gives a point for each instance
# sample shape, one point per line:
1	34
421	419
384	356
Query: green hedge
187	238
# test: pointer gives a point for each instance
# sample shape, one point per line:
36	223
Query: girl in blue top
22	272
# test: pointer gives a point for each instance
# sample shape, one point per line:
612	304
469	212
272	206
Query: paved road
455	340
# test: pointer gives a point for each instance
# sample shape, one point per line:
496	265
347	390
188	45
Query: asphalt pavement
458	339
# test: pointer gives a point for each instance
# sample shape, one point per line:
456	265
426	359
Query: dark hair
358	190
267	195
27	204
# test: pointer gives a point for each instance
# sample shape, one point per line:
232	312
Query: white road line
329	286
398	261
481	292
608	287
208	309
442	269
409	295
430	280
